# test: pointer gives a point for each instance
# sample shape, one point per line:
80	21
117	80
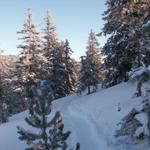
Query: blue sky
73	19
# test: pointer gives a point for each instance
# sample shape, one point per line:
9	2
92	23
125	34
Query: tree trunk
89	90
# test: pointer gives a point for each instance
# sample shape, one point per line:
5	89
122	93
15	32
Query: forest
45	72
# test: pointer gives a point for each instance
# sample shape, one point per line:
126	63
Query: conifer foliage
51	135
86	78
59	73
94	56
3	100
70	68
45	80
29	64
127	47
58	61
91	73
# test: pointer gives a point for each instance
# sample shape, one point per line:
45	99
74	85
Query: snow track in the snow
84	127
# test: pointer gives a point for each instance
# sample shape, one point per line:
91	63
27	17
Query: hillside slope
92	119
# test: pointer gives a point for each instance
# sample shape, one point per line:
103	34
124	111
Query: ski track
81	122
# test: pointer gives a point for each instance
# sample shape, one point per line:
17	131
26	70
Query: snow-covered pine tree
42	108
91	73
94	56
126	47
125	12
70	68
54	52
51	135
60	74
6	91
145	42
49	42
117	61
80	83
86	77
30	61
8	102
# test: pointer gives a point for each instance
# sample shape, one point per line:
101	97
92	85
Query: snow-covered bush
136	123
129	124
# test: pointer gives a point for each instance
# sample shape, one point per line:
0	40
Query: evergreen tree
117	61
3	100
7	101
55	54
86	77
94	57
49	41
51	135
91	73
29	64
126	48
70	68
59	73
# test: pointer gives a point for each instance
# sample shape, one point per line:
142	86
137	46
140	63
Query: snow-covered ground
92	119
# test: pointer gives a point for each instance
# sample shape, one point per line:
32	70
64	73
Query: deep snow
92	119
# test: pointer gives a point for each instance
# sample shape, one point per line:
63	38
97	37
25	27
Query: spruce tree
91	71
29	64
94	57
59	73
7	100
51	135
6	91
49	41
126	47
86	77
70	68
117	61
3	100
55	54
